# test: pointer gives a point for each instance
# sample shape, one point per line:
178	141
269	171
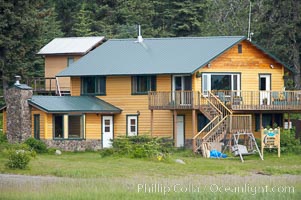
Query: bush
3	138
107	152
37	145
140	147
18	159
18	155
288	142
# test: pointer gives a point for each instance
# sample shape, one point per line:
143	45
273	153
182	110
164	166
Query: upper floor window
239	48
143	84
93	85
70	60
220	81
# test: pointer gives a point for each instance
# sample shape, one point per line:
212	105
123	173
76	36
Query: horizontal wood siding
42	122
250	63
48	126
75	86
55	64
118	93
164	83
93	126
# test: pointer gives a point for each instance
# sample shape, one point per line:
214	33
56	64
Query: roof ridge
175	38
79	37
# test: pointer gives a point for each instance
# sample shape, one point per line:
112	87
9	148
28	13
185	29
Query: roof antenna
140	38
249	28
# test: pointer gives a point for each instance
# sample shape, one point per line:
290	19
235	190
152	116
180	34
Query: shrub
3	138
107	152
51	151
37	145
140	147
18	159
288	142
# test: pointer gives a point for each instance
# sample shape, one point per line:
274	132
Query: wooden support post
152	123
260	121
175	126
193	128
283	120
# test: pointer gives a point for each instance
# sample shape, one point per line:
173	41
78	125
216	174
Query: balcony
261	100
47	86
174	100
234	100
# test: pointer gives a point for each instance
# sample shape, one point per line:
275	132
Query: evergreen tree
83	22
19	30
67	10
278	29
226	17
26	26
187	17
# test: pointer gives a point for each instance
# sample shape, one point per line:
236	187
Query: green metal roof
67	104
23	86
182	55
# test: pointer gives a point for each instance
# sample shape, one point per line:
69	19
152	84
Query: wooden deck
46	86
234	100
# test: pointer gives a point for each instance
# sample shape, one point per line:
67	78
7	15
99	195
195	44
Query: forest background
28	25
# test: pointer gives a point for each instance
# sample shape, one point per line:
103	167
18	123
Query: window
143	84
70	60
220	81
132	125
93	85
68	126
58	126
75	126
183	83
239	48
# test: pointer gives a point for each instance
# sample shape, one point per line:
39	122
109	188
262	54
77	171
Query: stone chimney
18	112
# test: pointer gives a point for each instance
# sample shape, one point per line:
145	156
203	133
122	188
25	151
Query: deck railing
240	123
174	100
234	100
45	85
260	100
42	83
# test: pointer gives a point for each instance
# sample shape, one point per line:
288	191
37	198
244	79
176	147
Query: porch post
175	126
193	128
152	123
260	121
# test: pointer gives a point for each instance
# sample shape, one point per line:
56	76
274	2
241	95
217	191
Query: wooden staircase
216	130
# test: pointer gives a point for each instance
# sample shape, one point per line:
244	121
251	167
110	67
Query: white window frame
206	81
129	125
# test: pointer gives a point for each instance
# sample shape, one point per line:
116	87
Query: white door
182	84
265	87
132	125
107	131
180	131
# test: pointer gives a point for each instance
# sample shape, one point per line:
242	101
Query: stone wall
74	145
18	113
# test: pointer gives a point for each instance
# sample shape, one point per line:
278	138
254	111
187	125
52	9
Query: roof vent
140	38
18	78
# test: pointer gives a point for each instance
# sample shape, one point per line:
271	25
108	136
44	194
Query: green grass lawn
88	176
91	165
